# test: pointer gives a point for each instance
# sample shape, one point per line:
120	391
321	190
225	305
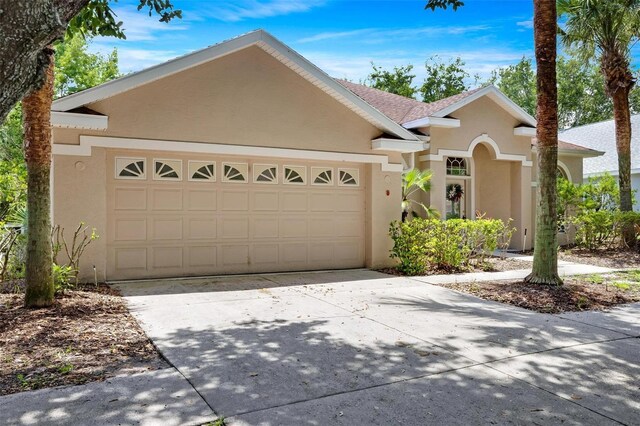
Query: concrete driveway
360	347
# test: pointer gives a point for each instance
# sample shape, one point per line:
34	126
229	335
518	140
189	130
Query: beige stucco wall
80	195
492	181
246	98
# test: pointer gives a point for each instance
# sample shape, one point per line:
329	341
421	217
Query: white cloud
133	59
139	26
239	10
525	24
334	35
376	35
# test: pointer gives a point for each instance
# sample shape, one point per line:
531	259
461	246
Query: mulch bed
577	294
87	335
491	264
616	259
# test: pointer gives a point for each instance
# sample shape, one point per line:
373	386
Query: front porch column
521	208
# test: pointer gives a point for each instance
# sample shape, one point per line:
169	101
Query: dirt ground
580	293
616	259
87	335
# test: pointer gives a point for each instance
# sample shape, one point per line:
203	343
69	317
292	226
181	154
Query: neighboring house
602	136
245	157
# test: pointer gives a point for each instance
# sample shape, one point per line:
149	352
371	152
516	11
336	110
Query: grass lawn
579	293
87	335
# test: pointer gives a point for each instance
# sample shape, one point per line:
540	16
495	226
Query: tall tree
607	29
29	27
88	17
545	258
444	79
399	81
518	82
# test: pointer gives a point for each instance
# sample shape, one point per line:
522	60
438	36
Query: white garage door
176	215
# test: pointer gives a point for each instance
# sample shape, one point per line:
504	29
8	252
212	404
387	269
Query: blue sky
340	36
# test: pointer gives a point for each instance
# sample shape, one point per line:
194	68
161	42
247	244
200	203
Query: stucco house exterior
245	157
602	136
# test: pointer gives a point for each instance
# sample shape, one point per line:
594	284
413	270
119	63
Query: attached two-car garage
179	215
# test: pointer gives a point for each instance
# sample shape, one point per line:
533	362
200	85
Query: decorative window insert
202	171
164	169
457	166
349	177
322	176
265	173
235	172
562	174
131	168
295	175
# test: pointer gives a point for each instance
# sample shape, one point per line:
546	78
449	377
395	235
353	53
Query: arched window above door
457	166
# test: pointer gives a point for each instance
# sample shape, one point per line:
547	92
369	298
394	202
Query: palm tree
606	30
415	181
545	256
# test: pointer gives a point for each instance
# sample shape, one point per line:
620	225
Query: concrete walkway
161	397
360	347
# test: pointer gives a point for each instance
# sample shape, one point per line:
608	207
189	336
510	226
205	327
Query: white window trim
132	159
258	168
322	169
202	163
284	175
353	172
88	142
224	179
159	178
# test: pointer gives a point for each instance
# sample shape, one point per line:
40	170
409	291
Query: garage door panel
130	229
265	254
236	200
173	227
322	201
131	258
265	227
201	199
130	198
166	199
167	228
293	201
265	201
293	227
166	257
202	228
293	253
202	256
234	227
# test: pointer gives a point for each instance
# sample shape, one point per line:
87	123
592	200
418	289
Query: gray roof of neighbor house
602	137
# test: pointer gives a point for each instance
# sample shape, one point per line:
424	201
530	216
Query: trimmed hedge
423	244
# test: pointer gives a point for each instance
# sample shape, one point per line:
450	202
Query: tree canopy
399	81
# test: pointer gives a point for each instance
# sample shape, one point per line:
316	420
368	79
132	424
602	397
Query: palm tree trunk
622	118
36	108
545	257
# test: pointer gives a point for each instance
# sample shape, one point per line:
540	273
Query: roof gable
257	38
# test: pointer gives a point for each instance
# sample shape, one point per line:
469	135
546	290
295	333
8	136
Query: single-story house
245	157
602	136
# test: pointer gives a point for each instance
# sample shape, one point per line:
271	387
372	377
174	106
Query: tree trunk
27	27
622	118
36	109
545	256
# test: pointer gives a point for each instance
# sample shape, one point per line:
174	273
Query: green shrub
602	229
63	278
423	244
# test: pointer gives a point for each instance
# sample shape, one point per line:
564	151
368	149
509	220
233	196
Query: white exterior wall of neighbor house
223	111
601	136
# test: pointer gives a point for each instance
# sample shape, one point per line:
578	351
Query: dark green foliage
421	245
399	81
443	4
444	79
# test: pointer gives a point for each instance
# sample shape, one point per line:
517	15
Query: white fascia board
384	144
575	153
88	142
73	120
525	131
446	123
259	38
499	97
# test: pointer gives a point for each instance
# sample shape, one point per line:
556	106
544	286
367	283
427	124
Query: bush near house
592	208
421	245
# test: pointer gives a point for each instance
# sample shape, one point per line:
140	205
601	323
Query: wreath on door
454	192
